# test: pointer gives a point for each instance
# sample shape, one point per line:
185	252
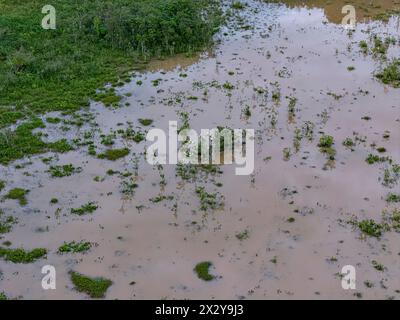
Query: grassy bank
95	42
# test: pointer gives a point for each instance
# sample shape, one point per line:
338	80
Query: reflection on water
365	9
181	61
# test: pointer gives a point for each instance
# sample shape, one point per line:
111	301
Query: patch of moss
202	271
114	154
94	287
18	194
21	256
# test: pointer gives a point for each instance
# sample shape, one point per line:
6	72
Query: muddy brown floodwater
283	232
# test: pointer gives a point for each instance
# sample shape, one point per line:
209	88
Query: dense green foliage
95	42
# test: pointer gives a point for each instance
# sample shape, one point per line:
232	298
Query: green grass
95	42
3	296
6	222
326	146
63	171
145	122
208	200
18	194
391	74
392	197
85	209
94	287
372	158
15	144
202	271
74	247
114	154
371	228
21	256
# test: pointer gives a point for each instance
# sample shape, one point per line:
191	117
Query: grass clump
2	185
145	122
3	296
378	266
21	256
238	5
391	74
94	287
74	247
114	154
392	197
6	222
85	209
18	194
208	201
202	270
371	228
63	171
372	158
325	146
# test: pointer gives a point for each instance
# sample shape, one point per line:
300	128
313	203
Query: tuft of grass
391	74
146	122
114	154
211	201
371	228
238	5
3	296
392	197
85	209
243	235
202	271
378	266
6	222
2	185
325	146
74	247
18	194
63	171
95	43
21	256
372	158
94	287
326	142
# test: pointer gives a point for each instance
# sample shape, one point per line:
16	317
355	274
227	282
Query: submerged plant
202	270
